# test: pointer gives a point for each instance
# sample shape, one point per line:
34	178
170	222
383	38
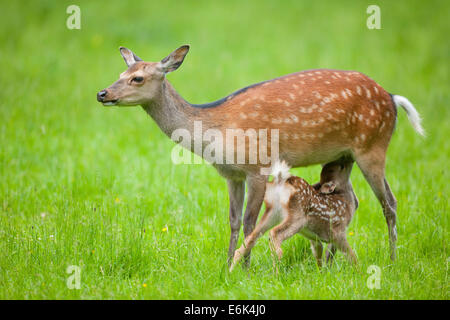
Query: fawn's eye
137	79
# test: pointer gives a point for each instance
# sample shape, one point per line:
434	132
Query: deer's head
142	81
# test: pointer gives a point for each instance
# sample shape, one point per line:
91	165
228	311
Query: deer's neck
171	112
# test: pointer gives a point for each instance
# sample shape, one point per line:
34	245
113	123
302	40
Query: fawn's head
335	176
142	81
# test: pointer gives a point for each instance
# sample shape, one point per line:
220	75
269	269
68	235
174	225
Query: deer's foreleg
236	190
256	186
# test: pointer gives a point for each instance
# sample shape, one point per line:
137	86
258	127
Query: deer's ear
174	60
129	57
327	188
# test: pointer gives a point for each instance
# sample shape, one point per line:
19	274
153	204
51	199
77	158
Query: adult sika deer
322	115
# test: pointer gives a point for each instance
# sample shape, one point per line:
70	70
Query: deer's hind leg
372	165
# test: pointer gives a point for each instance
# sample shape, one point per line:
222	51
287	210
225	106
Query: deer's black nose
101	95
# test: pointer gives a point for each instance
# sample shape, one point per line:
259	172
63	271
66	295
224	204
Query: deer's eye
137	79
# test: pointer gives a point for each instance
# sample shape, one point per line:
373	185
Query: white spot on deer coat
276	121
349	92
358	90
375	89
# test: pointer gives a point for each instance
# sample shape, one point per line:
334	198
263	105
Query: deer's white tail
412	113
280	171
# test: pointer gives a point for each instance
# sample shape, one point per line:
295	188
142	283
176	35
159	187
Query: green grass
90	186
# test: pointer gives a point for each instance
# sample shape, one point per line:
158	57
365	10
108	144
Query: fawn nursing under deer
322	115
321	212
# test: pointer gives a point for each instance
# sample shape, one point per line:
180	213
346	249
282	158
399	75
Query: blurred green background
94	187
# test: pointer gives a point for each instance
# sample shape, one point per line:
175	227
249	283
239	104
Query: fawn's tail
280	171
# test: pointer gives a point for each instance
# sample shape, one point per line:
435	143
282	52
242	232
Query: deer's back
319	113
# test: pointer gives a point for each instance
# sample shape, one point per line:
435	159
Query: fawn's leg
290	226
317	249
342	244
267	221
331	251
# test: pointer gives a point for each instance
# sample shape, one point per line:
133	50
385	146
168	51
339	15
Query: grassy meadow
95	187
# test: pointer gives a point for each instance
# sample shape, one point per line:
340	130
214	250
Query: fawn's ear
174	60
129	57
328	187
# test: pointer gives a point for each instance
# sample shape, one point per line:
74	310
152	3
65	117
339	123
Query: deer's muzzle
101	97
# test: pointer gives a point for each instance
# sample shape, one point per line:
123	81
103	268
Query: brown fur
322	115
319	217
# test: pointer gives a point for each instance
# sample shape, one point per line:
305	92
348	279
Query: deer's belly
307	156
